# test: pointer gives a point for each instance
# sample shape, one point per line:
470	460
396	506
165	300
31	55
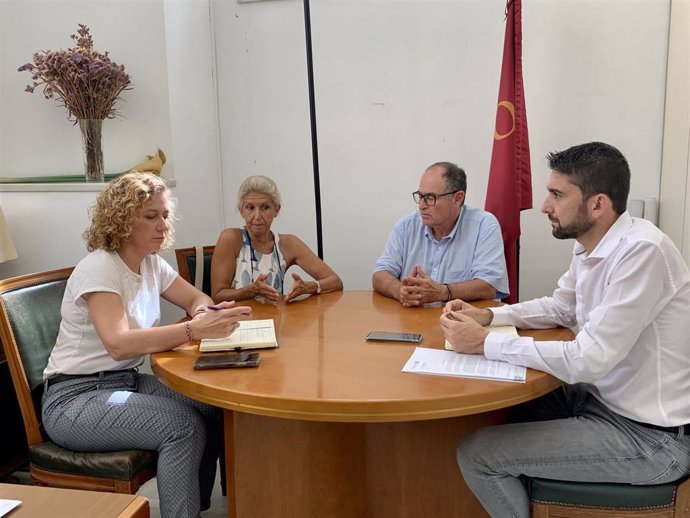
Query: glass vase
91	146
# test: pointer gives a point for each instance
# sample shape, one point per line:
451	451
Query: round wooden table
329	426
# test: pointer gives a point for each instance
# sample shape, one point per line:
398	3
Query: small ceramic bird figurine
152	164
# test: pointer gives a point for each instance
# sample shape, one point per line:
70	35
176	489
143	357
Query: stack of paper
449	363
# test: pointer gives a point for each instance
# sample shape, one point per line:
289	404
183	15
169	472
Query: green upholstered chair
560	499
187	266
29	323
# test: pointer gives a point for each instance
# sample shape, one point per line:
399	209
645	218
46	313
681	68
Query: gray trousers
128	410
566	435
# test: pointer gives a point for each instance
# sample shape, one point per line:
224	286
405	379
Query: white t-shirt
78	349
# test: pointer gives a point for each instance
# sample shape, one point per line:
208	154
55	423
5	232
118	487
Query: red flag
510	180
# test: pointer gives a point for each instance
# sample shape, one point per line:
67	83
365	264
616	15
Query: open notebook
252	334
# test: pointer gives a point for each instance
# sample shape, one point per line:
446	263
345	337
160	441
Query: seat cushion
116	465
601	494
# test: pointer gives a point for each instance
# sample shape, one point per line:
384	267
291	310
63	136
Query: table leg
293	469
412	470
230	469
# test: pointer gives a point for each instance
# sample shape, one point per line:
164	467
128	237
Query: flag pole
314	140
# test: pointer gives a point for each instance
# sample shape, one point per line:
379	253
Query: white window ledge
62	187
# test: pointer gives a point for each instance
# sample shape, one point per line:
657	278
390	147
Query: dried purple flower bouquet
85	82
81	79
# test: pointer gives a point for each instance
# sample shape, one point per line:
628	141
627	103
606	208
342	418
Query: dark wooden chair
187	266
29	323
560	499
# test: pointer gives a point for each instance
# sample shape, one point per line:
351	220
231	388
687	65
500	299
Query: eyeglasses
429	199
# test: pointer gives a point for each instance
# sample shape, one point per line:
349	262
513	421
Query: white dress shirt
630	298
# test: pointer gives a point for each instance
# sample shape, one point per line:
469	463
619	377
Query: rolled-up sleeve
393	256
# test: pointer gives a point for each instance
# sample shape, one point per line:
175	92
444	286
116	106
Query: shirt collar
610	240
428	233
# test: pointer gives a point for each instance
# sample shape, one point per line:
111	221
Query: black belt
684	428
59	378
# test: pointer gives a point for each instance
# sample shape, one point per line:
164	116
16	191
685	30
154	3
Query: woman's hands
260	288
219	320
300	287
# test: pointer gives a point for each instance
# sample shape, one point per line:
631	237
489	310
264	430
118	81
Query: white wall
674	216
36	138
263	107
402	84
194	122
399	84
594	71
167	47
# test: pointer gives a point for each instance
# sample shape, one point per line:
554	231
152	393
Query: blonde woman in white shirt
95	399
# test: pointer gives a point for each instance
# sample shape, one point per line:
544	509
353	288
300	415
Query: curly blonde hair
259	184
118	208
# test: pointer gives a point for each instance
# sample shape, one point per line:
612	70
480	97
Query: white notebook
252	334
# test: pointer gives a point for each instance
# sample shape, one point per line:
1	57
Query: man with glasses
445	250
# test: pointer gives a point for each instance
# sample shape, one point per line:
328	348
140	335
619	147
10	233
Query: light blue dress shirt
472	250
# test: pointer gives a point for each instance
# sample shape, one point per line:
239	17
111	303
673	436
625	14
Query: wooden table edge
354	415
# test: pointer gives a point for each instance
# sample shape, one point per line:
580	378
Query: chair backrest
29	323
187	265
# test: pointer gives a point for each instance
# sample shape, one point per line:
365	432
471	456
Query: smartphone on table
387	336
229	360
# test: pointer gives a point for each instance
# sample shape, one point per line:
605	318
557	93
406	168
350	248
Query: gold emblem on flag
511	109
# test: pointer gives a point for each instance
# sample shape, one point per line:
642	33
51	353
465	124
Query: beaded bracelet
188	331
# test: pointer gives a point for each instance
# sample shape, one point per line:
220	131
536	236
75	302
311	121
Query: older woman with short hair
251	262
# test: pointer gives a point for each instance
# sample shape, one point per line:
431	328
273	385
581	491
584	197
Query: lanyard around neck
254	260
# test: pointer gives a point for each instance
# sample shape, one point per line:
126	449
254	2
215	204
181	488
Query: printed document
7	505
449	363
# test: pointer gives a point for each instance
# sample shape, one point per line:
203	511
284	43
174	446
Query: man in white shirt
624	415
